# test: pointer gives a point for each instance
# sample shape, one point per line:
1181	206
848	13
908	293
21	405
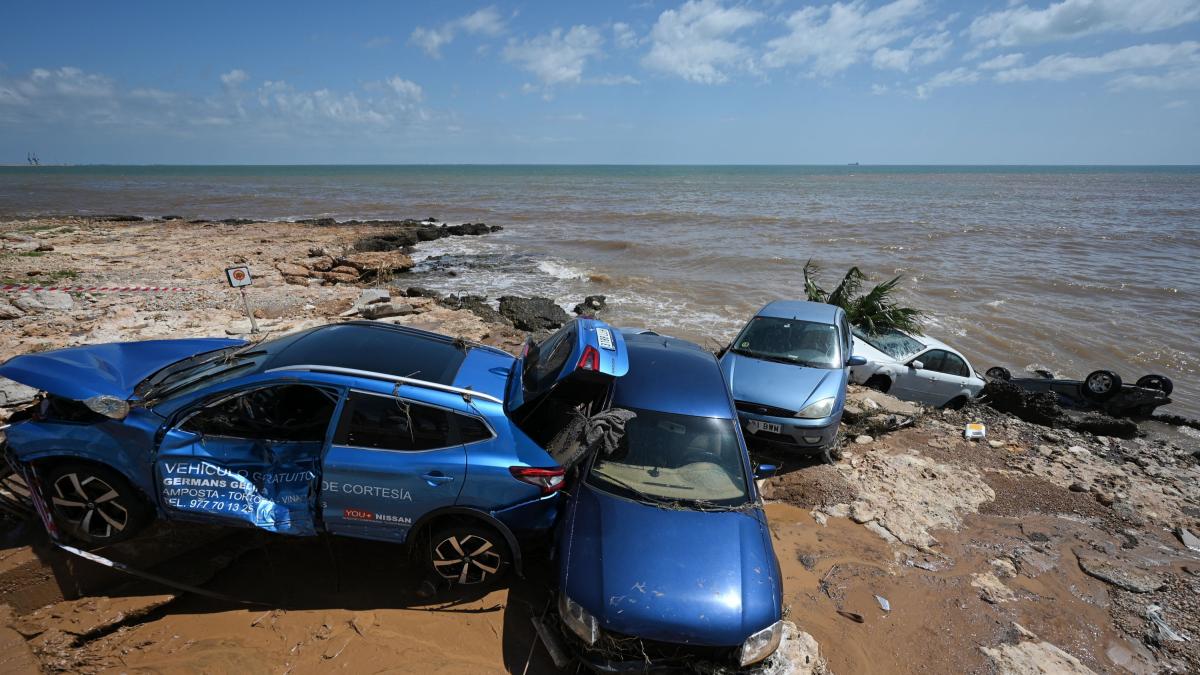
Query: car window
471	429
932	359
548	359
390	423
289	412
668	457
953	365
804	343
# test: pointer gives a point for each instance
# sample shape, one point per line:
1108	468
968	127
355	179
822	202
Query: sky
658	82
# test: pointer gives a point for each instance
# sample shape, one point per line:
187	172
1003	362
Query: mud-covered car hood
780	385
679	576
112	369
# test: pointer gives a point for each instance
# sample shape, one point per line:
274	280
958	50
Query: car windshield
891	342
203	369
675	460
804	343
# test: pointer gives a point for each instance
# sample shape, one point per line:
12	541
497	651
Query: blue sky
703	81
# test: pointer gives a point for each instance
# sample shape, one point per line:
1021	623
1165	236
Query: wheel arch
450	513
44	461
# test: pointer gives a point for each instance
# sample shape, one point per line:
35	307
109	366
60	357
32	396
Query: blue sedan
664	554
788	369
360	429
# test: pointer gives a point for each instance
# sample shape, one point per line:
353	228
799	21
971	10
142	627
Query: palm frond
874	311
812	290
847	289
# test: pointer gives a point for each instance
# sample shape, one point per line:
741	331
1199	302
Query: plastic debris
856	618
975	430
883	603
1187	538
1161	630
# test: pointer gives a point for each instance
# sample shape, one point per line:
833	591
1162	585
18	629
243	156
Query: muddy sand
1035	550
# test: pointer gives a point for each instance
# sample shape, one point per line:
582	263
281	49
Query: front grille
617	648
760	409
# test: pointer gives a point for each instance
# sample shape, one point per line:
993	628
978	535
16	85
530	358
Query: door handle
436	478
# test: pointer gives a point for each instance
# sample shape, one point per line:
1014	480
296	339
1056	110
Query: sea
1064	268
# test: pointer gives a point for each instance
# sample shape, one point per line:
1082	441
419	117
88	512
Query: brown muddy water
1068	268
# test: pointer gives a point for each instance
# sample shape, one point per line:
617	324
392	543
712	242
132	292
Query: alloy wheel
466	559
89	504
1100	383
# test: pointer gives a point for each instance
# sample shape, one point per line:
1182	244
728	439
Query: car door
951	378
392	460
248	457
931	384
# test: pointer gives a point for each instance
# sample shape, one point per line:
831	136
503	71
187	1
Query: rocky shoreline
1050	541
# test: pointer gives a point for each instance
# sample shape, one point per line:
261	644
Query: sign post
239	278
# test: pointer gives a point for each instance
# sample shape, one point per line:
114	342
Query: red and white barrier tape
13	288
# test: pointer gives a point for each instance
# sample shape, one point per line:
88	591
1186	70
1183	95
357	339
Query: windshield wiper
644	497
176	386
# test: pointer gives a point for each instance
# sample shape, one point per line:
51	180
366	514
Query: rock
15	393
1120	574
1078	487
591	306
533	314
861	512
41	301
1003	568
996	444
45	248
1105	498
370	296
1034	658
1187	538
381	310
8	311
991	589
1078	450
798	654
374	265
292	270
418	292
864	440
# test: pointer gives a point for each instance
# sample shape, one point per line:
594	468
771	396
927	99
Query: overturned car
359	429
1100	390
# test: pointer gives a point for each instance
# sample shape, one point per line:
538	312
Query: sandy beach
1036	545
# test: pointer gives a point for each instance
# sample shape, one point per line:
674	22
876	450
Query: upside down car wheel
1159	382
469	554
1101	385
94	505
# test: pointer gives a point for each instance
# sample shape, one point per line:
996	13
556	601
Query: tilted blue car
788	369
663	551
360	429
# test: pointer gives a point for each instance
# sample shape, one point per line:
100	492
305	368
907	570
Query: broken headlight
109	406
817	410
761	644
578	620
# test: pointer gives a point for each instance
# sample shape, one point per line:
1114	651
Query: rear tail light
590	359
548	480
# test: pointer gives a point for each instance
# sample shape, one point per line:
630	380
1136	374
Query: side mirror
765	470
856	361
916	365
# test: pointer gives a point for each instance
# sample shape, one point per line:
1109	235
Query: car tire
94	505
956	403
832	453
1101	385
467	554
999	373
879	383
1159	382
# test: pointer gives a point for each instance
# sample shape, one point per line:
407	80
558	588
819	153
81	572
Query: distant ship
32	159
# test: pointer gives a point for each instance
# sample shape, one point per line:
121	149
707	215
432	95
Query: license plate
758	425
605	339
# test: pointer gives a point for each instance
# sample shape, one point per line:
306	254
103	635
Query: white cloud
1172	80
879	89
947	78
834	37
1065	66
486	21
1022	25
1003	61
613	80
923	51
69	81
1175	105
556	57
696	41
234	77
405	88
623	36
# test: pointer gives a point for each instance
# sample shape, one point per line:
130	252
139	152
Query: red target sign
238	276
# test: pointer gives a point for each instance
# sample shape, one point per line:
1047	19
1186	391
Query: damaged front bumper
615	653
794	432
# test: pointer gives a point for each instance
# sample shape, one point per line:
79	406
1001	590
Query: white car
914	368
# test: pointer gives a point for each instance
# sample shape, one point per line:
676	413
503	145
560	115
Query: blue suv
788	369
360	429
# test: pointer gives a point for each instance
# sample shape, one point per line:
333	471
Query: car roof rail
467	394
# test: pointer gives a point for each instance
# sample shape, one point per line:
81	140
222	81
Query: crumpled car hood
686	577
781	385
113	369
